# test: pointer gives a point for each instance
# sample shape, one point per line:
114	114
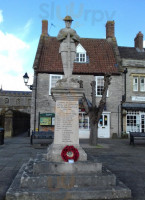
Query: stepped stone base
40	179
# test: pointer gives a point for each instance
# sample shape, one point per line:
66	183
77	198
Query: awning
134	106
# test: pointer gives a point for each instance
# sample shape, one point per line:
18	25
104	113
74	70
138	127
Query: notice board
47	119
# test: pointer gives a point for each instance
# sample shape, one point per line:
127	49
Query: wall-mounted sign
136	98
47	119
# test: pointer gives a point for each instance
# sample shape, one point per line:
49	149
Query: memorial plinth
49	177
66	122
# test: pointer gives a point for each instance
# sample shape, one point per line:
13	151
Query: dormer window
80	54
80	57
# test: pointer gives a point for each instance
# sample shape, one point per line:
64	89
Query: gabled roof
80	49
100	52
132	53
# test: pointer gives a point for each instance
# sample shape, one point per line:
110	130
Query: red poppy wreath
70	153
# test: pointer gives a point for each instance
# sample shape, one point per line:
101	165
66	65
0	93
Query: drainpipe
118	120
123	98
125	72
36	75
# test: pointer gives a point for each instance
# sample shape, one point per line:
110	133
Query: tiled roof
100	52
132	53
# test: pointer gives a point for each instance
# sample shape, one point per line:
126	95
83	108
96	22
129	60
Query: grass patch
98	146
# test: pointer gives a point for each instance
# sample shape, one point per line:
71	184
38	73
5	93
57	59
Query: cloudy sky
20	29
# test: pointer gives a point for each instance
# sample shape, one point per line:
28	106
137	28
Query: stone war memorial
64	172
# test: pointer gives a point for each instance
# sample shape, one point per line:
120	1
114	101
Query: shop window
83	121
133	121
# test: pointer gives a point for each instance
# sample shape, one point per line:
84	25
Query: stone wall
12	102
15	100
136	68
45	103
129	83
116	90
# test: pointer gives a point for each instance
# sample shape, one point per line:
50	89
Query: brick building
94	58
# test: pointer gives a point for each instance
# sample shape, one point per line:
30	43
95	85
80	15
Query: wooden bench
41	135
134	135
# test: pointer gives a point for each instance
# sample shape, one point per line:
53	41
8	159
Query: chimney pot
110	29
44	27
138	41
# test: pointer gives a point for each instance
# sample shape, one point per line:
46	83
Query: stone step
46	167
68	181
118	192
17	192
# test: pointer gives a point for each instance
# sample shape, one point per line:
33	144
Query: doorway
104	126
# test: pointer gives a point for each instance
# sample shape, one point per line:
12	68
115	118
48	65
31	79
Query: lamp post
26	79
34	88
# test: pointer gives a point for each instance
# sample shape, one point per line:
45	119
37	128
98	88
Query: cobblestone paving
127	162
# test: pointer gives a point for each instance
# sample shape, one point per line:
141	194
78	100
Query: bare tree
95	111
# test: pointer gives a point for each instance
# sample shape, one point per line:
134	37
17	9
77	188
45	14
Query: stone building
15	100
94	58
15	109
133	106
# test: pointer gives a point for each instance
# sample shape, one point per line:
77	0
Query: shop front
134	117
103	126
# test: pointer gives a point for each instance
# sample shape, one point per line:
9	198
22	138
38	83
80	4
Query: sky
21	22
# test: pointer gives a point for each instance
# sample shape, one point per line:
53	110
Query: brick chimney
138	41
110	29
44	27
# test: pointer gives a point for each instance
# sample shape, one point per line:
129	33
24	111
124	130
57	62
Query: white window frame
142	85
80	57
133	121
135	84
97	78
80	53
50	81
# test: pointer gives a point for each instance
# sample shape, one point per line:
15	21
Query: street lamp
26	79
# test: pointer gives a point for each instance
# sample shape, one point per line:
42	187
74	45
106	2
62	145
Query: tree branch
93	84
85	103
107	81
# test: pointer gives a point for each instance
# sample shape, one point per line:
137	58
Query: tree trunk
93	133
94	111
